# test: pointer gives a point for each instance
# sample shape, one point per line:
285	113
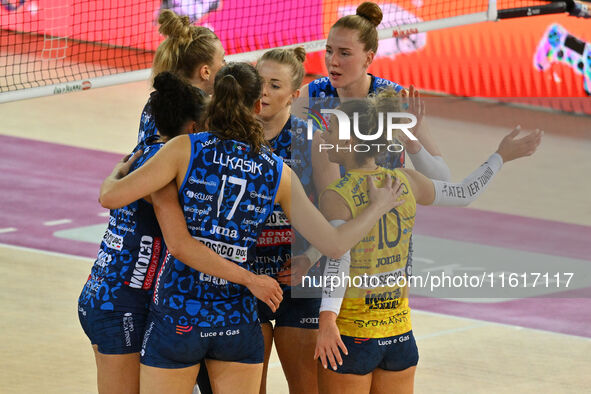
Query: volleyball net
52	47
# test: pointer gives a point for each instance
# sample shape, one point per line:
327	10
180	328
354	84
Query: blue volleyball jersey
322	91
226	196
275	242
123	274
301	154
147	127
322	87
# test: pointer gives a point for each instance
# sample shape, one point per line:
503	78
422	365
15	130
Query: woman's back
226	196
375	306
129	254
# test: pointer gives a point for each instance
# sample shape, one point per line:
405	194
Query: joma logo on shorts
309	320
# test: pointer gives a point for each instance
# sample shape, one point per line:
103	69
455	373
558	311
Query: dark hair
368	110
294	58
368	17
186	46
236	89
174	103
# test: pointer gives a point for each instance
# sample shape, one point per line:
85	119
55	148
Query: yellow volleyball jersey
372	308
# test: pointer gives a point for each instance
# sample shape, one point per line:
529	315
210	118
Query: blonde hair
389	100
294	58
368	110
186	46
368	17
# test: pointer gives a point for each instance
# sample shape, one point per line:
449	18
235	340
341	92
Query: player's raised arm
433	192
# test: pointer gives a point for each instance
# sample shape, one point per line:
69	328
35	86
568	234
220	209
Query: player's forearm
351	232
335	285
431	166
335	242
199	257
463	193
327	317
108	197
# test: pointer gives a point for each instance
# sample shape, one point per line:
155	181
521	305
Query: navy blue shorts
292	312
395	353
165	346
114	332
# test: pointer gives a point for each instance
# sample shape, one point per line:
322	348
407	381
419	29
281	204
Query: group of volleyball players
191	271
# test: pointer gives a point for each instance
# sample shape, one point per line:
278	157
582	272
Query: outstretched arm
120	189
199	257
433	192
424	152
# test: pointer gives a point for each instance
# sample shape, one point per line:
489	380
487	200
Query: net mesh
54	41
46	42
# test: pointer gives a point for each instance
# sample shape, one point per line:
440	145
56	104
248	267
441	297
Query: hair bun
300	54
174	26
370	11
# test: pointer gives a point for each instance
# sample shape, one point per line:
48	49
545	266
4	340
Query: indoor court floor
535	217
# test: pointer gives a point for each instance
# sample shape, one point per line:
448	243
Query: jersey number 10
383	225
